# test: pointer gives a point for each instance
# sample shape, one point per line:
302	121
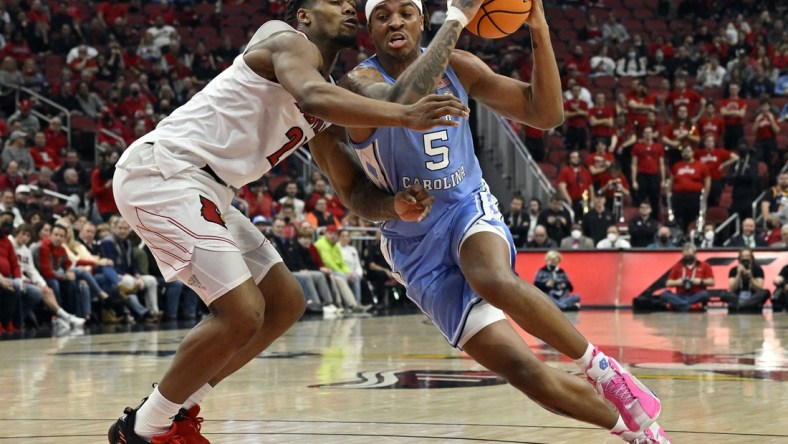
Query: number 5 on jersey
433	149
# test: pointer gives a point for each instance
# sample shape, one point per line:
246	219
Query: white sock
198	396
585	361
63	314
155	415
622	431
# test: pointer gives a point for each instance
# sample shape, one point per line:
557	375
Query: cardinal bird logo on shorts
210	212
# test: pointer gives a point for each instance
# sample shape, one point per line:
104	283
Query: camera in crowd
687	284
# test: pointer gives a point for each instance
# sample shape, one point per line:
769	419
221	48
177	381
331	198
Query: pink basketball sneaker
636	404
653	435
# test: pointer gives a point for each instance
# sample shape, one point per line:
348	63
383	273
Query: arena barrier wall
614	278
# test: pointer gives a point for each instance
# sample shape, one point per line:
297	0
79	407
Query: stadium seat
236	21
202	32
716	215
274	182
549	170
642	14
204	9
607	82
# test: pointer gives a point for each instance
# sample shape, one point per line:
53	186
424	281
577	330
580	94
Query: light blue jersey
425	257
440	159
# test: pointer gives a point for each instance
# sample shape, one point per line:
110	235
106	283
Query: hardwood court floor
395	380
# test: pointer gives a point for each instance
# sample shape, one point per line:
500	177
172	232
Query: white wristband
456	14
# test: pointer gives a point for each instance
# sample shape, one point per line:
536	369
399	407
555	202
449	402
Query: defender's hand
431	111
413	204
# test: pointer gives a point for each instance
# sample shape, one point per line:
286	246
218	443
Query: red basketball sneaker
122	432
189	424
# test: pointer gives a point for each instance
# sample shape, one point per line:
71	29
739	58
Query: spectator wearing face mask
555	283
690	278
576	240
746	293
613	241
663	239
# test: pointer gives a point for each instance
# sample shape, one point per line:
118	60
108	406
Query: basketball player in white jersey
464	241
173	188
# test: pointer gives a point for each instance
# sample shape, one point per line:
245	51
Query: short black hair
293	6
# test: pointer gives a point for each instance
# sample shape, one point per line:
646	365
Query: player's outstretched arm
336	159
538	104
296	64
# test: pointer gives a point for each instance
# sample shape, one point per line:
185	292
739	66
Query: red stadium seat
236	21
725	198
557	157
643	14
204	9
550	170
204	32
607	82
716	215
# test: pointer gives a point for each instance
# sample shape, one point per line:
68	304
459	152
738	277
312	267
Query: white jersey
25	259
240	124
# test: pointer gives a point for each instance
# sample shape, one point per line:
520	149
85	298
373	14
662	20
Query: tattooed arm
421	77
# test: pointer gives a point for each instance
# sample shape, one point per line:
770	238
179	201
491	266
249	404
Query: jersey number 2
295	135
433	150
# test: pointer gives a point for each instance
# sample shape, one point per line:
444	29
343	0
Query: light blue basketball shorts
429	267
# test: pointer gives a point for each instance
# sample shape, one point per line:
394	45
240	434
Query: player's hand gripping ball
499	18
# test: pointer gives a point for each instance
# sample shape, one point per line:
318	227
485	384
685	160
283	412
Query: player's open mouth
397	40
351	23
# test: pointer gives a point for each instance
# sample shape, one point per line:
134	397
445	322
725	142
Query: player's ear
304	16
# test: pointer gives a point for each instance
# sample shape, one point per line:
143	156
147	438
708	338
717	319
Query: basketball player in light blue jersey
457	263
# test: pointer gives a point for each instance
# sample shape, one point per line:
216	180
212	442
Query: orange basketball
499	18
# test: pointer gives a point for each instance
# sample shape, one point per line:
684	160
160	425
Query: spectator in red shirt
639	103
576	112
599	161
601	119
9	271
690	277
37	13
715	159
624	138
614	185
134	102
766	128
534	142
56	137
681	96
43	154
54	265
260	201
17	47
690	178
101	185
710	122
109	11
648	170
678	134
11	178
575	184
579	60
733	110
